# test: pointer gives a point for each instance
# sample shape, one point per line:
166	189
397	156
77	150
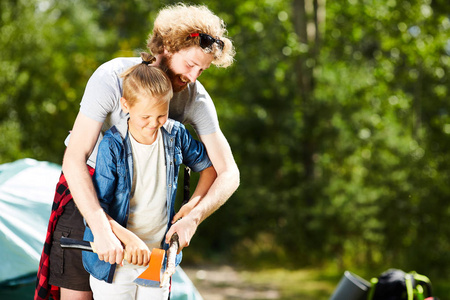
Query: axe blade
152	275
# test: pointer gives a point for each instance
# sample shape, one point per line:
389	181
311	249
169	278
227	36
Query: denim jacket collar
122	127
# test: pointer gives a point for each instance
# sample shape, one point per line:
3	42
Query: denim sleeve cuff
206	163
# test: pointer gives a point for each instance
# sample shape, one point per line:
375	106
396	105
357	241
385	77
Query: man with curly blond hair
185	41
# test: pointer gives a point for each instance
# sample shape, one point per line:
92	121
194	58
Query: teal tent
26	195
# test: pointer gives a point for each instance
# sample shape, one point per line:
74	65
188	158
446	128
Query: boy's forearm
206	179
123	234
136	251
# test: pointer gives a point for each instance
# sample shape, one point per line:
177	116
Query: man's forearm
223	187
82	141
220	191
84	195
227	180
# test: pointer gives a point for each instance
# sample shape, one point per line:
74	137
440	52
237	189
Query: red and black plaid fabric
62	197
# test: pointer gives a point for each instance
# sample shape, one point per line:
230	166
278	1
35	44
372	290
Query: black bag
397	285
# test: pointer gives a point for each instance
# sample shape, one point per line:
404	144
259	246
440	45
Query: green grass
317	284
307	284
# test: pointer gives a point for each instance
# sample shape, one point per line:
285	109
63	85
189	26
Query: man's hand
185	228
108	247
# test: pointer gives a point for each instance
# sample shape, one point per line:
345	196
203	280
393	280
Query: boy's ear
124	105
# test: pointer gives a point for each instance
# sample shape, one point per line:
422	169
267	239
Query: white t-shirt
148	205
101	101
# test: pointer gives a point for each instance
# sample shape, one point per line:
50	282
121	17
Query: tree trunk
306	23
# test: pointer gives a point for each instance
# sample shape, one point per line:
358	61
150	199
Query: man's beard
165	66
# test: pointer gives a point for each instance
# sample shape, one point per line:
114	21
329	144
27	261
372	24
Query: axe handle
68	243
171	257
186	185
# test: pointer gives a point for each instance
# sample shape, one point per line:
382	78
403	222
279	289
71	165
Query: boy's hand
137	254
136	251
184	210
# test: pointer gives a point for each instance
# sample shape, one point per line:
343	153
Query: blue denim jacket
113	178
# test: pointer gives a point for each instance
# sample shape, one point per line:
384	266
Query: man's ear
166	52
124	105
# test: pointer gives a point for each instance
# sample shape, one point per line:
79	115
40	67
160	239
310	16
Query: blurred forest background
337	112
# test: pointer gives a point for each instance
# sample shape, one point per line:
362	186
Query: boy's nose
153	123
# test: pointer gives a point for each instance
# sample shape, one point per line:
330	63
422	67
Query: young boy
136	178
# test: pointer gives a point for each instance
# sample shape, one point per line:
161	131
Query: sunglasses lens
220	44
206	41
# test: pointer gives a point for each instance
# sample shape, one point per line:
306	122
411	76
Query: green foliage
49	48
388	130
353	169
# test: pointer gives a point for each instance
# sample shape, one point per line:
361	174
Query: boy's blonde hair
146	80
175	23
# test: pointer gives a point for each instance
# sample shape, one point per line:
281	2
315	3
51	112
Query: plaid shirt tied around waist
62	197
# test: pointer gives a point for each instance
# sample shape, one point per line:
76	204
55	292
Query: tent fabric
27	189
26	194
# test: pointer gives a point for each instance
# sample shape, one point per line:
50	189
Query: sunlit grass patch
295	284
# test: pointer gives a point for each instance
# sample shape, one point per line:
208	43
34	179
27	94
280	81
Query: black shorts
66	266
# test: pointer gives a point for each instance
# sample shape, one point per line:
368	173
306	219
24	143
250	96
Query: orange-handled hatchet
150	277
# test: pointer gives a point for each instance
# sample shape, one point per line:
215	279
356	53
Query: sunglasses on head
206	41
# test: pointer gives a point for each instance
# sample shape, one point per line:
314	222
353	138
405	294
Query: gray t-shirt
101	101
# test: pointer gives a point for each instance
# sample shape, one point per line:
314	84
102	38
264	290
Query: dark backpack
397	285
